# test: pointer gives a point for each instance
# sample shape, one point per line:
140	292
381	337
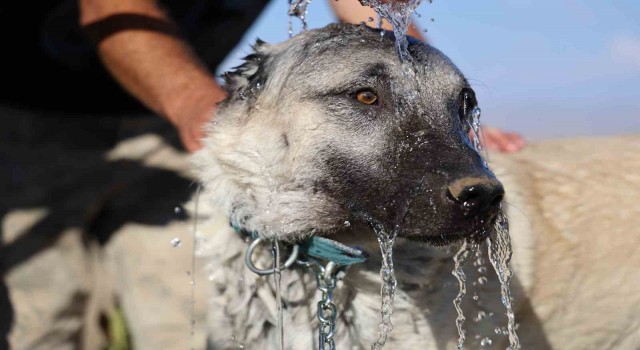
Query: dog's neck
423	300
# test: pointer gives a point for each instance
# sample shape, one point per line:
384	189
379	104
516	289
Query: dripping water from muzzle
388	287
460	259
500	256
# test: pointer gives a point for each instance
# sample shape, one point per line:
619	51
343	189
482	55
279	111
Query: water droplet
486	341
176	242
482	280
482	269
177	210
476	113
347	224
476	297
481	316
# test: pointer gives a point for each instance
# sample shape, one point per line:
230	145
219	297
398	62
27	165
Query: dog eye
467	100
367	97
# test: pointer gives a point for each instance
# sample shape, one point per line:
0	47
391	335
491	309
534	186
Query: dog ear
246	80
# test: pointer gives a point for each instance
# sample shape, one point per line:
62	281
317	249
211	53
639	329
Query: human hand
190	127
502	141
192	115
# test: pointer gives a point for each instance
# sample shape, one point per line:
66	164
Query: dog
330	134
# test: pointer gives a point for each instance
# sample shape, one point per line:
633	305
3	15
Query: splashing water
500	257
278	284
298	8
388	288
398	14
460	259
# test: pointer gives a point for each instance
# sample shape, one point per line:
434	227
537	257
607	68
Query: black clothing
47	64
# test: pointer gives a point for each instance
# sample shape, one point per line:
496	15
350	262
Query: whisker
521	212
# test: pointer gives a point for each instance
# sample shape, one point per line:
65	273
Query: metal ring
322	307
264	272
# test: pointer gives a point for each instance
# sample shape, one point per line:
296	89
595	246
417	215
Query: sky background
545	68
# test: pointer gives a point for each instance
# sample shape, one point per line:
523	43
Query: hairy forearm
156	66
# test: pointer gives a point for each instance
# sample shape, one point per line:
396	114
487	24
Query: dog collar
327	259
318	248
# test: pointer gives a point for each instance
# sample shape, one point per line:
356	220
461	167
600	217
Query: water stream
500	257
298	9
460	259
474	124
398	14
388	287
277	277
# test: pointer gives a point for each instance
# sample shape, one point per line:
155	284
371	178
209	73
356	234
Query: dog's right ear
245	81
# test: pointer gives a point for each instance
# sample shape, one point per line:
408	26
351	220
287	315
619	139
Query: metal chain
327	312
326	278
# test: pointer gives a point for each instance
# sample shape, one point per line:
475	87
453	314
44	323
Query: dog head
330	126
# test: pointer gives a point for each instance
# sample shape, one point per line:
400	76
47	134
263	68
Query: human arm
157	67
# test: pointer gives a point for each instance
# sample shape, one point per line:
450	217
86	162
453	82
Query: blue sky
544	68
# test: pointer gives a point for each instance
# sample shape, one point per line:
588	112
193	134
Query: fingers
502	141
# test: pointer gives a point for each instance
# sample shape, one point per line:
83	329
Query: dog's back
575	227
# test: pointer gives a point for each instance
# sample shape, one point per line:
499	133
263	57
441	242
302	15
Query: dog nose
477	195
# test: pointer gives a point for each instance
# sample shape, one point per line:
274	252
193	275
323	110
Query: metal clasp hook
264	272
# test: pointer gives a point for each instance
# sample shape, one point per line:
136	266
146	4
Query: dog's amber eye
467	101
367	97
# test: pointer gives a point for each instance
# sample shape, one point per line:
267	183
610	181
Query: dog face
330	127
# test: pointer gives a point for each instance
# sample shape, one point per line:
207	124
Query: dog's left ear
246	80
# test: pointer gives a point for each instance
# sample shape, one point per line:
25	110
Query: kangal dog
329	134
